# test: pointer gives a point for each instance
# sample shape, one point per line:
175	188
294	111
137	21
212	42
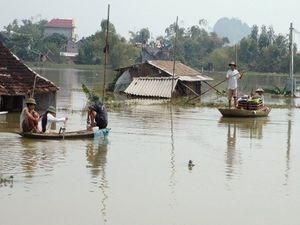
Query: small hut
154	78
17	83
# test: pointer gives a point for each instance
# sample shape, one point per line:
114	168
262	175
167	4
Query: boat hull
263	112
82	134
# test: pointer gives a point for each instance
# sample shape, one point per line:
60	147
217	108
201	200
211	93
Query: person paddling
29	117
97	116
48	118
232	76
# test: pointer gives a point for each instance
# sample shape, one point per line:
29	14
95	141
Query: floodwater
246	170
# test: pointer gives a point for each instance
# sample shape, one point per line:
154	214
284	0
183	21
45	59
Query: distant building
154	78
65	27
154	53
17	82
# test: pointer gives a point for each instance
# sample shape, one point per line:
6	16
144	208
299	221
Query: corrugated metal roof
151	87
17	79
195	78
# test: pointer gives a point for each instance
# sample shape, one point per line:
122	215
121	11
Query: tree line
262	50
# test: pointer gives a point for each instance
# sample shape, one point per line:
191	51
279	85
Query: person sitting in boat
29	118
48	118
259	93
97	116
232	76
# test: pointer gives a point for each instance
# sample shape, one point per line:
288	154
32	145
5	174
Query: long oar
213	88
207	90
64	129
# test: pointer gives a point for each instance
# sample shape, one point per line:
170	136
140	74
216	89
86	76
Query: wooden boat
82	134
262	112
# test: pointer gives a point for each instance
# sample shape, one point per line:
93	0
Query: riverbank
67	66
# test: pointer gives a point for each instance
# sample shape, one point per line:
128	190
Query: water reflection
29	157
172	153
96	153
231	150
251	127
288	149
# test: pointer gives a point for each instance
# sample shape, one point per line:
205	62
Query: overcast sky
155	14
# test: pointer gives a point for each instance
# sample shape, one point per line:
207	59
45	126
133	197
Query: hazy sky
155	14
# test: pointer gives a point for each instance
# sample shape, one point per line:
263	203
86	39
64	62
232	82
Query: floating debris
7	181
191	164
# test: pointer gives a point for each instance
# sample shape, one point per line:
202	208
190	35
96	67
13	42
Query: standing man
232	76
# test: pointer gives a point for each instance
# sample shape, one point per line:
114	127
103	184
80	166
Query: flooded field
246	170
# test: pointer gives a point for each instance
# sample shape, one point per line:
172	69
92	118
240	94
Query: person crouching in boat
232	76
29	118
97	116
48	118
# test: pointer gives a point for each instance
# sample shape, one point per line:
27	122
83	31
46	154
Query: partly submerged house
154	78
17	82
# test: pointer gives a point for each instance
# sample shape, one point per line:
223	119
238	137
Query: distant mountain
234	29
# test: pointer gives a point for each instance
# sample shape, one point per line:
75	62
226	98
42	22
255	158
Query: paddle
219	92
64	128
211	87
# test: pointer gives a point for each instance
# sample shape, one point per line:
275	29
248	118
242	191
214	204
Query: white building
64	27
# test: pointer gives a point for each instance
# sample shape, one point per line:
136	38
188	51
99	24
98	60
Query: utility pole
174	55
291	75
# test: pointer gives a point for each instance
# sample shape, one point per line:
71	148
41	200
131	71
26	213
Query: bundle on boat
250	103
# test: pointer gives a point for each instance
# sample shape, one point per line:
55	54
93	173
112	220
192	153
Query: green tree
141	36
120	51
263	40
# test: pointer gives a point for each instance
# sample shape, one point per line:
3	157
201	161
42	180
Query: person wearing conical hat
29	117
232	76
48	118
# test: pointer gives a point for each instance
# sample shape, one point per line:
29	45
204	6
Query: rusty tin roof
17	79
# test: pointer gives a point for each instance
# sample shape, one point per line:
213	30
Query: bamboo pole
106	52
33	89
291	76
174	55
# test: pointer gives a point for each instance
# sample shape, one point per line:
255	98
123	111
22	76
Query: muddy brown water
246	170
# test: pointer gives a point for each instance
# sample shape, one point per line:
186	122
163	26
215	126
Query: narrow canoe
263	112
82	134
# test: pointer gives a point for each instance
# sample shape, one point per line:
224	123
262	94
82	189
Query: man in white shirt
232	76
48	118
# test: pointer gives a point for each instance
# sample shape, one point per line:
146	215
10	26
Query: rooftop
182	71
17	79
152	87
61	23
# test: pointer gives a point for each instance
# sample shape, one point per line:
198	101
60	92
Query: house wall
67	32
45	100
11	103
195	86
146	70
17	103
